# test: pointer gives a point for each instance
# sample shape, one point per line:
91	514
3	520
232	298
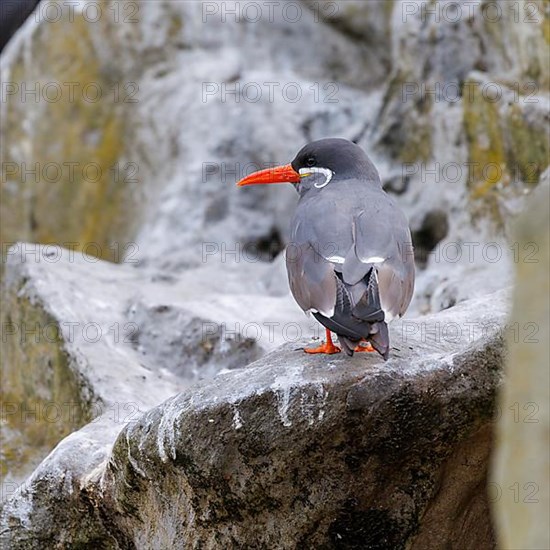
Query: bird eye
310	161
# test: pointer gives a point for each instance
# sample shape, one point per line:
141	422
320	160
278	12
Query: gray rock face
324	452
353	64
83	337
193	420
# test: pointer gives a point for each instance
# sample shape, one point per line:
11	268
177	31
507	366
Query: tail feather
359	321
368	308
380	340
347	345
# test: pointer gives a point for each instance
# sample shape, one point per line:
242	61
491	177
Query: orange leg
328	347
361	348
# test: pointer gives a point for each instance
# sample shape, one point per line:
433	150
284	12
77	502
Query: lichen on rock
74	186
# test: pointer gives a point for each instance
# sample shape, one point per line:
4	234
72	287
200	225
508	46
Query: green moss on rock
66	182
529	150
42	399
506	144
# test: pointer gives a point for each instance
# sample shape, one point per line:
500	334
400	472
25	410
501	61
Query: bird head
316	165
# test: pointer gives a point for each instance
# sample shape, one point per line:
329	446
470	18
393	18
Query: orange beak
278	174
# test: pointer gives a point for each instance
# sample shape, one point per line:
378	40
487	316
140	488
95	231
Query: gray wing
374	234
383	242
311	278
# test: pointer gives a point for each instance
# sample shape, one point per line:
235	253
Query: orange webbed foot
366	348
328	348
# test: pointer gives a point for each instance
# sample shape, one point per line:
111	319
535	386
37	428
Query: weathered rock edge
291	451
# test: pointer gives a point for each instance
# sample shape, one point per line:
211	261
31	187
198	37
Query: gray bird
350	260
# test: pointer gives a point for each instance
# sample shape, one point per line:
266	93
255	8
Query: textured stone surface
523	434
327	452
507	143
358	56
81	336
66	183
63	351
203	298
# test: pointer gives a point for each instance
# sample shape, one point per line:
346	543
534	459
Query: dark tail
347	345
380	339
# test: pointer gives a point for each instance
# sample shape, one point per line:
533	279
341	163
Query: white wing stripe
336	259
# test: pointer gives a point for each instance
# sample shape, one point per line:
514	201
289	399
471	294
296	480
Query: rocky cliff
153	394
